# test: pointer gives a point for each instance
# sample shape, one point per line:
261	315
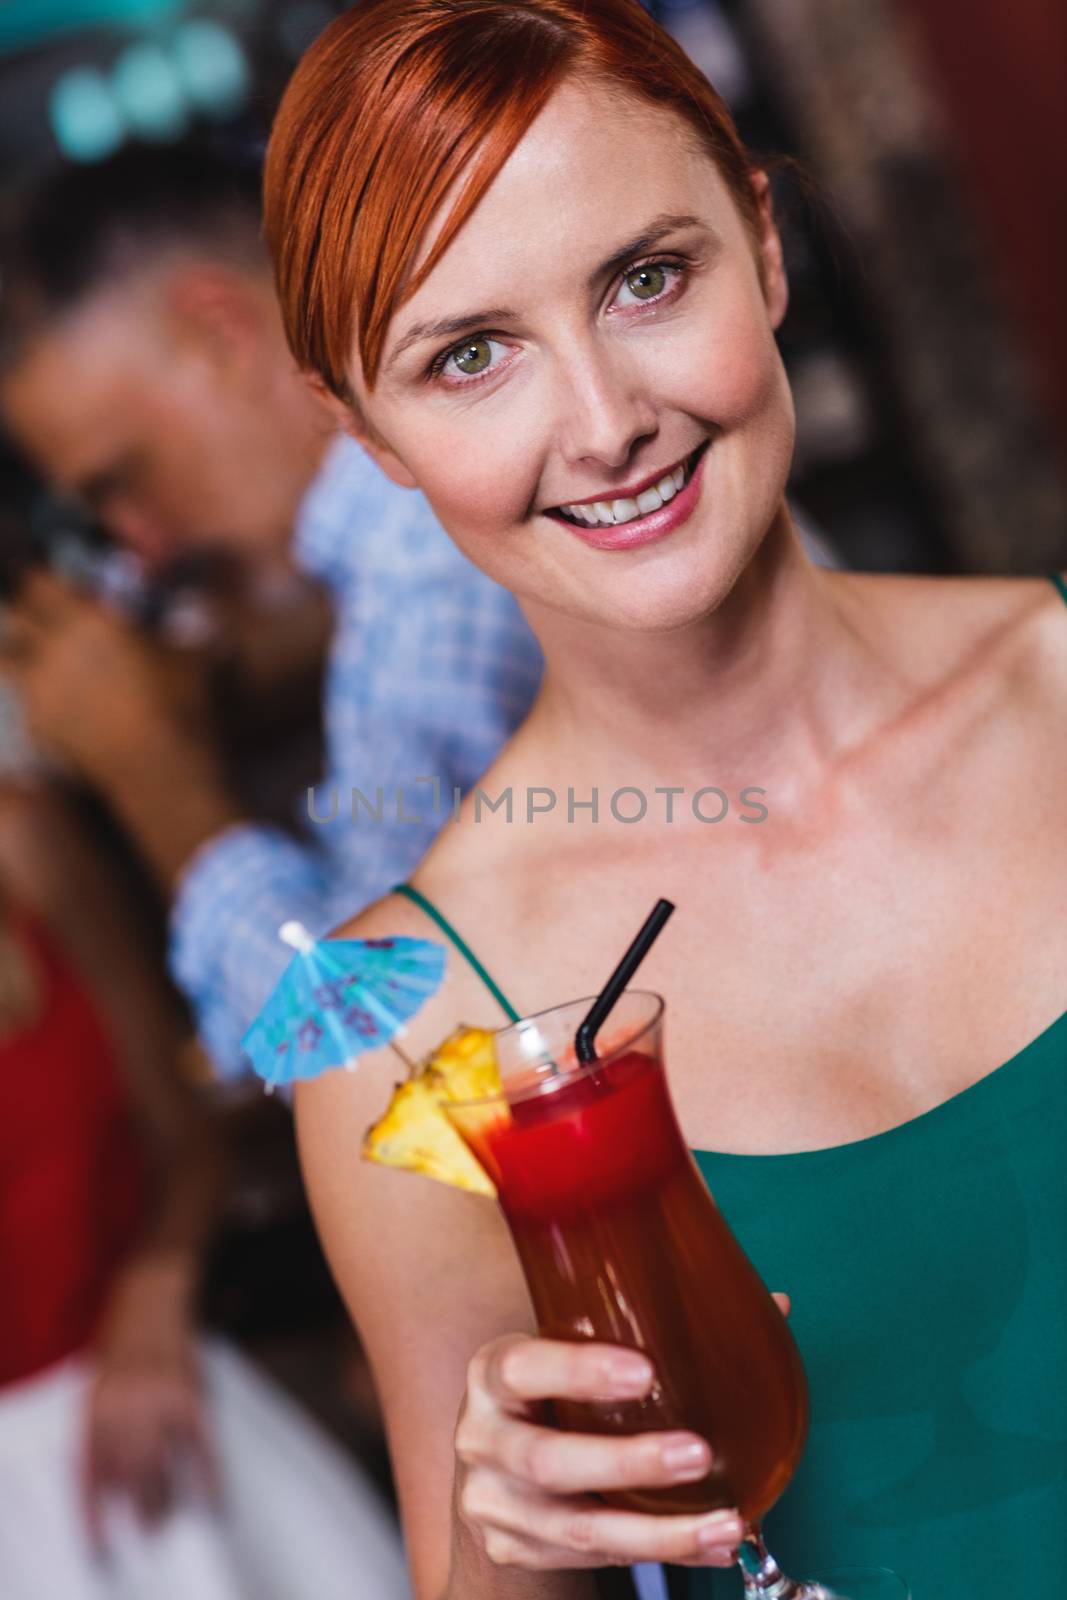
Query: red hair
394	101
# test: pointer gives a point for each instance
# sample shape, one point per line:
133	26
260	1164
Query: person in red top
109	1169
136	1457
73	1179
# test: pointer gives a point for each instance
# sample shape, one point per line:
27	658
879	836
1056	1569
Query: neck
777	684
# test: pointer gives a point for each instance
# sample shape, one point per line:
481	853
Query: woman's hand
146	1424
526	1491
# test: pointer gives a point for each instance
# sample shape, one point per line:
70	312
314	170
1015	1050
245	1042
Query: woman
136	1459
519	243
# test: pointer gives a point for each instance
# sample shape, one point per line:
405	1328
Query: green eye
646	282
473	358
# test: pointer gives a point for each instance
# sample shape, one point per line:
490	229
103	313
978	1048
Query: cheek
479	471
732	372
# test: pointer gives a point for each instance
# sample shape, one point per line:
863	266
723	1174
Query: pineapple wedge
415	1134
466	1065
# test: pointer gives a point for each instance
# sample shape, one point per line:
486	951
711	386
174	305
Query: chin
672	608
663	597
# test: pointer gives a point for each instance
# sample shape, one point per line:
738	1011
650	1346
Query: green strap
1056	578
460	943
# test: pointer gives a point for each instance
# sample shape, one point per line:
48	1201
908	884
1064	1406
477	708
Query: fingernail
631	1374
722	1528
686	1458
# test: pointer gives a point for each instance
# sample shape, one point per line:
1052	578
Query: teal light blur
28	22
149	92
85	116
211	67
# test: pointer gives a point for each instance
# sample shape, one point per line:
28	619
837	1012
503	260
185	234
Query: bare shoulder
1014	629
1046	644
1017	629
463	996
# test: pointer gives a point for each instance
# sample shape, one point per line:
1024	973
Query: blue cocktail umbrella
338	999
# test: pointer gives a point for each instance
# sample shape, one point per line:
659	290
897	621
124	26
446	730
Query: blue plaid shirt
431	668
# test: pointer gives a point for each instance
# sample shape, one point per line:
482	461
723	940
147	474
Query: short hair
394	100
82	228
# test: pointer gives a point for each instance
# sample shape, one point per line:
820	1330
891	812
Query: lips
645	526
639	500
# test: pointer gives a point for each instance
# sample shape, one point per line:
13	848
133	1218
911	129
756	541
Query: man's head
142	362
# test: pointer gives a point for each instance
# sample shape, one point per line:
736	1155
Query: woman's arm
494	1504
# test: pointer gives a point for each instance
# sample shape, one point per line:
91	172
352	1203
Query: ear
220	310
348	417
775	282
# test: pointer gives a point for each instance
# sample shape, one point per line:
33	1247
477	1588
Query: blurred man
144	369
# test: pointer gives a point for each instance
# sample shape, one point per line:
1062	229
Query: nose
605	410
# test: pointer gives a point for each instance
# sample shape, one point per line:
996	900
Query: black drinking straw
584	1039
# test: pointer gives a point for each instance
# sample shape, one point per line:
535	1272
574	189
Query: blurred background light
149	91
212	67
27	22
85	118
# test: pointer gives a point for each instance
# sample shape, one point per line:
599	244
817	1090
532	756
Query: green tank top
928	1272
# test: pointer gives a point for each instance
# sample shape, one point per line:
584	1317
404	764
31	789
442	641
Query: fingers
783	1302
560	1532
527	1489
200	1448
609	1537
19	638
510	1549
514	1370
43	605
150	1487
566	1463
46	600
93	1484
148	1445
134	1461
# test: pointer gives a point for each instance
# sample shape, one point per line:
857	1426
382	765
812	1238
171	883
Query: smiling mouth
612	513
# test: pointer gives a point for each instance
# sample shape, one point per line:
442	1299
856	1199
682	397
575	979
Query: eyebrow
453	327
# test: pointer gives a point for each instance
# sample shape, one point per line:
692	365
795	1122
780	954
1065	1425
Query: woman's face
600	326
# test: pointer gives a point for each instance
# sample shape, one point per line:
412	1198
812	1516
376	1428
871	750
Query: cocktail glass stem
764	1578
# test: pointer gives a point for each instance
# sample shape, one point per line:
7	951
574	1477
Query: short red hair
394	101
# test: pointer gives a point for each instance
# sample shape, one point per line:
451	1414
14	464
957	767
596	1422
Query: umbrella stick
412	1066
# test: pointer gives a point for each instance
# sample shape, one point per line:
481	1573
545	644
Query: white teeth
608	513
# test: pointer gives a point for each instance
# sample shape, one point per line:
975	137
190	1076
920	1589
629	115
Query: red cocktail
620	1241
